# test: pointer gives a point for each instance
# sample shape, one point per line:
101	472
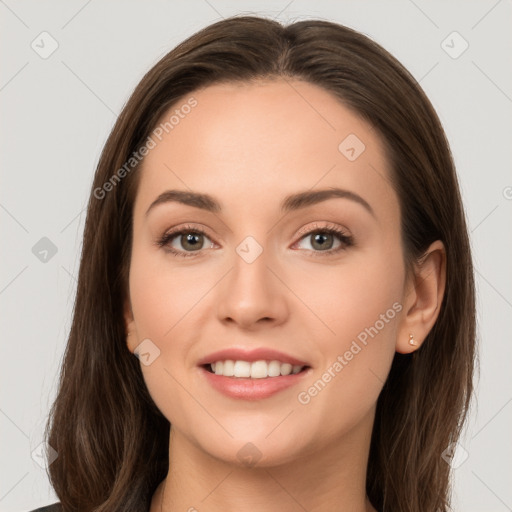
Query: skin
249	146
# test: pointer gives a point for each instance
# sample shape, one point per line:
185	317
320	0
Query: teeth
241	369
228	368
255	370
259	369
274	369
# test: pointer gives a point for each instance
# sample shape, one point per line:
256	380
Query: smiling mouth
261	369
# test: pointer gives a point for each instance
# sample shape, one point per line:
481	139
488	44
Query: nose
253	294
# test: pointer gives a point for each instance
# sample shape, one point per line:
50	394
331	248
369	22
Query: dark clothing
55	507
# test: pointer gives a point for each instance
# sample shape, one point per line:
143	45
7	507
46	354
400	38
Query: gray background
57	112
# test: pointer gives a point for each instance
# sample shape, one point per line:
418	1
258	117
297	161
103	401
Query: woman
275	232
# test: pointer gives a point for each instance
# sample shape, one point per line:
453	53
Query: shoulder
55	507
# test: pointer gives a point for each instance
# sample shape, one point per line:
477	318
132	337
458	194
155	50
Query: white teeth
296	368
274	369
259	369
255	370
242	369
228	369
286	369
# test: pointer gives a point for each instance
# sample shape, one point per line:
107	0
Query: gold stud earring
411	340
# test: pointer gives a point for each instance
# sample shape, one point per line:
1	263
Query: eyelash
346	240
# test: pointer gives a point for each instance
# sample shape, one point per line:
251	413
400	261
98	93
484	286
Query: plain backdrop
58	108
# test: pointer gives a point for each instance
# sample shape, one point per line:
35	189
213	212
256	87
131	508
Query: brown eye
184	242
192	242
328	240
322	241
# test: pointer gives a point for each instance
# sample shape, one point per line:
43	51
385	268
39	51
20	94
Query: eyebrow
290	203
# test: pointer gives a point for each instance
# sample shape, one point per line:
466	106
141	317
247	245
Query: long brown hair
111	439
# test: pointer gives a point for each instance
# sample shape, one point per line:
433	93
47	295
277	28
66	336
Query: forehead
258	142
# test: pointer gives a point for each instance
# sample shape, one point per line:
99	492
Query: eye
323	240
190	239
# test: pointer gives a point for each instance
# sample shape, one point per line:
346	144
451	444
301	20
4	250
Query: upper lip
250	355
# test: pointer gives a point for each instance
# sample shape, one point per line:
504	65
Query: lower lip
252	389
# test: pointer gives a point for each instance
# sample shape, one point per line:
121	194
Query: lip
255	354
252	389
247	388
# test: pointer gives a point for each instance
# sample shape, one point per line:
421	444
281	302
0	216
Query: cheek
163	293
166	299
351	296
359	304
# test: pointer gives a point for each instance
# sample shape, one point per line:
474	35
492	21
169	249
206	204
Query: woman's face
266	275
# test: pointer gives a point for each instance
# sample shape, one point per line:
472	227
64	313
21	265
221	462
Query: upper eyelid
328	226
303	231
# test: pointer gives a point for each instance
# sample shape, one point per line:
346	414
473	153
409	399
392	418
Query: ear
131	330
423	298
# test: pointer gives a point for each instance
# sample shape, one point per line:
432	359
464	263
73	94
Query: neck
330	478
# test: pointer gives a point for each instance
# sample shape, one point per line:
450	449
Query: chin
252	449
